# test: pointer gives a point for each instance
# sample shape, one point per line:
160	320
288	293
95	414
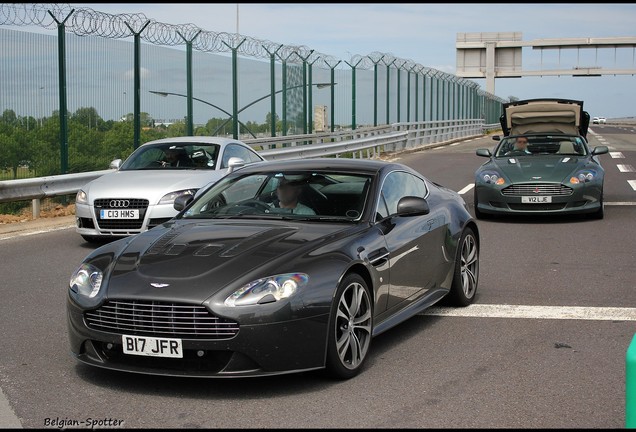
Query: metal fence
364	143
81	87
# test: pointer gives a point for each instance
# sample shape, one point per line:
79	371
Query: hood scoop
180	240
207	249
160	244
194	250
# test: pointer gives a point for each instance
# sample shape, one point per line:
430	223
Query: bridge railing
361	143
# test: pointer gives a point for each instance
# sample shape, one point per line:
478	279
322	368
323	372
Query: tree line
30	147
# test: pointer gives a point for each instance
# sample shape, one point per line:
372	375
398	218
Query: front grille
537	189
159	319
122	224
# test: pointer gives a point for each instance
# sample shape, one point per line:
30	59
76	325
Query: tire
350	327
466	275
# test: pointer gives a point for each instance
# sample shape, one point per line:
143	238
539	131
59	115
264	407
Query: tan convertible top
541	116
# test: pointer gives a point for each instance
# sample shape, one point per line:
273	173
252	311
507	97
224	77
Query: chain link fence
82	87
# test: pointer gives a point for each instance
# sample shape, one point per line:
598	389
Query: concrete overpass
494	55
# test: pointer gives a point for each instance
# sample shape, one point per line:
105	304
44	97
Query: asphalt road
543	346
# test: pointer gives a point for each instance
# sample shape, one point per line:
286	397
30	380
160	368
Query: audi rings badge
119	203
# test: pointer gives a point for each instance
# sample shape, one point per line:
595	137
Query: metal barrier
369	142
317	138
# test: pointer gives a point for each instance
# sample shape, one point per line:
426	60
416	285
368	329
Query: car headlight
267	290
583	176
492	177
169	197
86	281
81	197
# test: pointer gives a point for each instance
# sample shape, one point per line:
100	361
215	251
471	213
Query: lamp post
230	116
41	115
123	115
166	94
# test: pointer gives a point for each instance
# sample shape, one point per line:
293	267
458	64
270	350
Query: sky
426	33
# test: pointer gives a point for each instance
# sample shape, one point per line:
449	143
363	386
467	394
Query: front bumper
88	222
583	200
255	350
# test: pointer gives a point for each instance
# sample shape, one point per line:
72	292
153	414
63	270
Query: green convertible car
542	164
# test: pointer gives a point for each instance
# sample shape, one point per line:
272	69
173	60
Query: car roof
547	115
196	139
323	164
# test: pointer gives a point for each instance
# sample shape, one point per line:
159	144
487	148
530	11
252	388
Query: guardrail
361	143
317	138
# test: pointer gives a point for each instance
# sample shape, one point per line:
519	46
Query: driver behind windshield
287	193
520	146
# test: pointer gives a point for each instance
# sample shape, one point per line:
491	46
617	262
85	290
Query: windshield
173	156
334	196
530	145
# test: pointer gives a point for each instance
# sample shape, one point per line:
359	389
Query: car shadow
204	388
94	244
539	219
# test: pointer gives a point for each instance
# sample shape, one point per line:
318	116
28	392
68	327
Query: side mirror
115	164
483	152
182	202
412	206
600	150
496	137
233	163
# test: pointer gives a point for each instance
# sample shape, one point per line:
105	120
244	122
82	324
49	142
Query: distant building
321	124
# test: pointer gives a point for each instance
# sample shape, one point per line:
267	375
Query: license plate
153	347
119	214
536	199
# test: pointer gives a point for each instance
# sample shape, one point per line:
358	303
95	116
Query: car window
396	185
173	155
320	195
143	158
542	145
236	150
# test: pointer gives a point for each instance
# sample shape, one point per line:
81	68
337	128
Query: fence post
35	205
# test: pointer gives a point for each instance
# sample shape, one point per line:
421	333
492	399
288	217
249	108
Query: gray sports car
278	267
542	164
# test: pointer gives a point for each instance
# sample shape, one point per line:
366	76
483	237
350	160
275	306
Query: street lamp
166	94
230	116
41	110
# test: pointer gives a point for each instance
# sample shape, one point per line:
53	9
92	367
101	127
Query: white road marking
622	203
8	419
466	189
625	168
632	183
616	155
537	312
28	233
